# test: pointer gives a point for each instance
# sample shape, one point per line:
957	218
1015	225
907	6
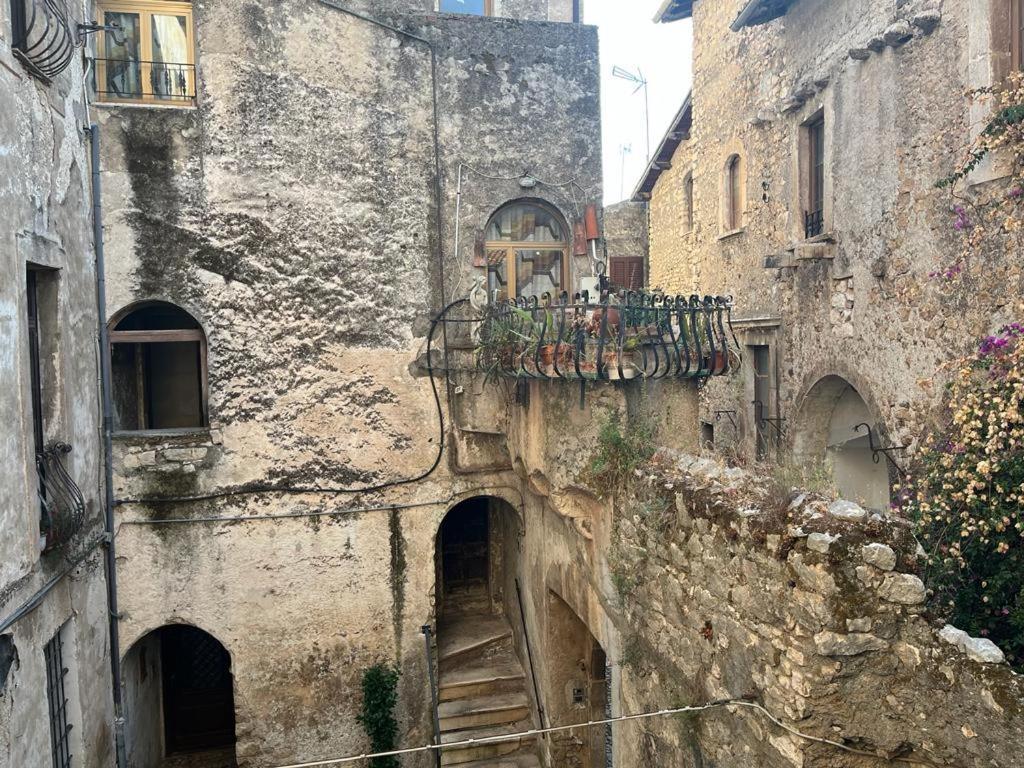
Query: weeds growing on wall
380	695
967	495
621	450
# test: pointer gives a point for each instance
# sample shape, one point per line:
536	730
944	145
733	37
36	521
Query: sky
662	52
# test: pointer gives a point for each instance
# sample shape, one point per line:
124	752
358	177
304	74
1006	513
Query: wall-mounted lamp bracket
877	451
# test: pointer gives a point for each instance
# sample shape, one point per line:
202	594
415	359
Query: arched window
158	365
527	248
688	203
733	218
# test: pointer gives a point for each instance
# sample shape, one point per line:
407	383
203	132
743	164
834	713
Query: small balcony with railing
61	500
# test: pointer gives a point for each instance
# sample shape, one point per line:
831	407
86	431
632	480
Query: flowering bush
967	496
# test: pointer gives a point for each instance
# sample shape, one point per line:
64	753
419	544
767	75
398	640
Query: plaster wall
45	221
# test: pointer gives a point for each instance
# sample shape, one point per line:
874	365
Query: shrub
967	494
380	695
620	452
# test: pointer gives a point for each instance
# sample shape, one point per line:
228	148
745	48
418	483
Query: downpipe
108	451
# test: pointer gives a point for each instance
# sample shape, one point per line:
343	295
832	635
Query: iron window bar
814	223
168	81
62	501
630	336
56	695
877	451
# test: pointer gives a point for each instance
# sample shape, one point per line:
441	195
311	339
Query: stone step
461	638
526	760
482	711
491	751
484	677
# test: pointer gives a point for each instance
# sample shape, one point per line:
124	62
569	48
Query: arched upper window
527	247
158	366
733	213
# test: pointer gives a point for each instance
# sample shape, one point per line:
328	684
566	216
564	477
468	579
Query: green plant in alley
380	695
621	449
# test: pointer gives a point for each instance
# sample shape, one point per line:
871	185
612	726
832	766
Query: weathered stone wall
731	589
625	233
863	303
45	221
292	213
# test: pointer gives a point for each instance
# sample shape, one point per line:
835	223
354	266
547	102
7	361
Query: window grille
56	694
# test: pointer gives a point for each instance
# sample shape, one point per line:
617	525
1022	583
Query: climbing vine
989	221
380	695
967	497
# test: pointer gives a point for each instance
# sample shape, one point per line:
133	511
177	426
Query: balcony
131	81
63	505
44	36
630	337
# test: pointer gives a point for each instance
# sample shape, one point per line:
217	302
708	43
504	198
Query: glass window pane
497	275
538	272
123	74
475	7
170	73
525	224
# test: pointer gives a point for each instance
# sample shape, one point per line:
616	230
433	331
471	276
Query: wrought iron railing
814	223
632	336
62	501
133	80
44	36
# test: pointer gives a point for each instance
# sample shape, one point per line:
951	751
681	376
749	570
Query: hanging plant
380	695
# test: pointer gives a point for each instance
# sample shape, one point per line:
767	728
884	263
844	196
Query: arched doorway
482	666
827	434
179	700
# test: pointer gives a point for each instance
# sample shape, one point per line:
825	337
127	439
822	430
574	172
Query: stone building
800	177
335	445
55	689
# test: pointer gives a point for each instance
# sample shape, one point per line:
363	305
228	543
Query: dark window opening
1017	34
56	696
41	303
19	23
688	201
464	539
8	658
158	368
814	216
707	435
762	394
733	195
199	710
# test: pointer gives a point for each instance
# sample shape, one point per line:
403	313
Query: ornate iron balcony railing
62	501
640	335
133	80
44	35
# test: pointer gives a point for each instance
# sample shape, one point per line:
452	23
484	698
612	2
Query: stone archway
179	700
826	438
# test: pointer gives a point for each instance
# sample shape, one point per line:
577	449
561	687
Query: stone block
879	555
859	54
897	33
821	542
852	644
926	21
983	650
847	510
903	588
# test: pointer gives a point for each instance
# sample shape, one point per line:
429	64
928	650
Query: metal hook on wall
878	450
730	414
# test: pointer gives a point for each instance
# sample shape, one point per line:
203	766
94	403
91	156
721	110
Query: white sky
630	39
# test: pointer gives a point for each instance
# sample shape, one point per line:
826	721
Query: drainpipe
108	463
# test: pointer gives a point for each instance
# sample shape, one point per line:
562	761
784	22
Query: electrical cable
260	488
721	703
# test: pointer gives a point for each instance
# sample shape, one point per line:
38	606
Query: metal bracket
880	450
774	421
730	414
84	30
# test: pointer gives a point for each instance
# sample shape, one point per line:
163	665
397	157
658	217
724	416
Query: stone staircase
482	692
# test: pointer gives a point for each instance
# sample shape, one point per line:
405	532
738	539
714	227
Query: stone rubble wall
729	588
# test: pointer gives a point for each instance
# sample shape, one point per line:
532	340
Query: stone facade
46	228
294	214
861	301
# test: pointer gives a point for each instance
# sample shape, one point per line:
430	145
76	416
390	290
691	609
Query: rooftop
678	132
